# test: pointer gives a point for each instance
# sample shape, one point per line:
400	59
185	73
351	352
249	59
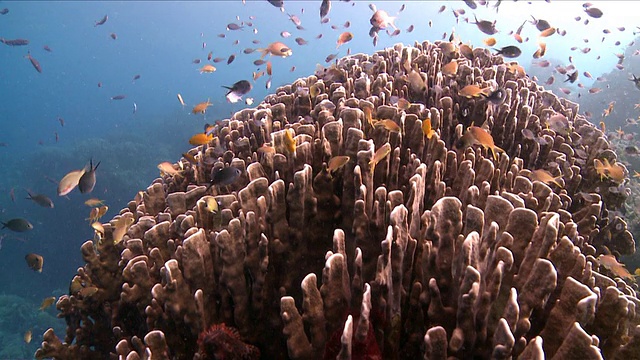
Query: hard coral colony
435	252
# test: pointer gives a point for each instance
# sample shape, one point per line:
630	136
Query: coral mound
431	251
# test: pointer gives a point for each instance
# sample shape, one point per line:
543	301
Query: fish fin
98	164
226	87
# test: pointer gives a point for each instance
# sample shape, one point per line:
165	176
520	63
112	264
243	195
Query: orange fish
489	41
344	38
200	139
478	136
269	68
208	68
450	68
388	124
613	171
545	177
426	128
277	49
471	91
380	154
337	162
610	263
201	108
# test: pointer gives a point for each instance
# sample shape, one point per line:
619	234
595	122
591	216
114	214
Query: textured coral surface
435	251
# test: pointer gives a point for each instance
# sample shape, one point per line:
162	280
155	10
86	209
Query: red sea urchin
221	342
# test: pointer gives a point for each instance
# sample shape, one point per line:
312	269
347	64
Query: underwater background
56	121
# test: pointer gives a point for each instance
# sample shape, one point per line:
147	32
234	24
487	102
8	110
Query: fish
234	26
389	125
594	90
427	130
636	81
17	225
98	227
559	124
34	62
509	51
40	199
478	136
450	69
34	262
118	97
135	109
416	82
545	177
380	20
200	139
269	68
231	58
285	34
248	50
325	7
259	62
277	49
210	204
61	121
208	68
4	11
572	77
485	26
410	28
593	12
541	50
380	154
490	41
609	109
225	176
344	38
267	85
294	19
237	90
605	169
497	96
190	158
201	108
167	168
69	182
87	292
27	336
101	21
337	162
300	41
96	213
180	100
88	180
47	302
93	202
471	91
121	226
114	36
290	142
610	263
14	42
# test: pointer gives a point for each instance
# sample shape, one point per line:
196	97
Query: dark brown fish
225	176
509	51
118	97
593	12
196	61
102	21
88	180
231	58
325	7
17	225
301	41
34	62
259	62
4	11
234	26
248	50
47	48
572	77
114	36
485	26
40	199
136	77
34	261
14	42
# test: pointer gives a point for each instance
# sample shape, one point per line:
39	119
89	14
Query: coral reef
432	251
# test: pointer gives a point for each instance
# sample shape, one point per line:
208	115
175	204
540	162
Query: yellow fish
426	128
290	142
211	204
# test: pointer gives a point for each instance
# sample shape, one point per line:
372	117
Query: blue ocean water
159	41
